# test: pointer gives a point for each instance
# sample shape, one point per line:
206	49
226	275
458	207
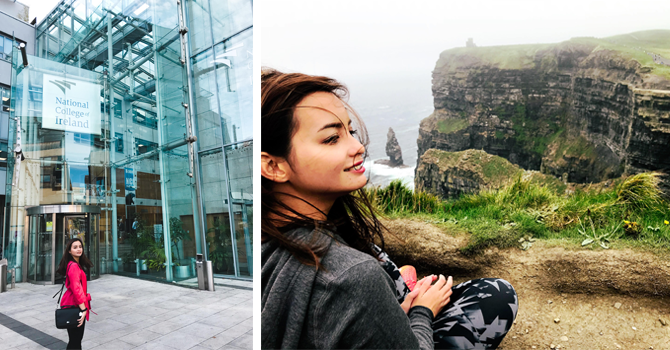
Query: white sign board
71	105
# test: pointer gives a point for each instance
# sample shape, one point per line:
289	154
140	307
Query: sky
39	8
357	39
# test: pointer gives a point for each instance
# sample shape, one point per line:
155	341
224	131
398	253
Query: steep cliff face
451	174
586	109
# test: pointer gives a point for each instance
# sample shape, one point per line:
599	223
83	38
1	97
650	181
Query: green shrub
396	197
640	192
526	208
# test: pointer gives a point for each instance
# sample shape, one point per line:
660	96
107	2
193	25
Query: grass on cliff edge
630	214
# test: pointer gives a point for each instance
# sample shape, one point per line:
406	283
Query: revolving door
49	228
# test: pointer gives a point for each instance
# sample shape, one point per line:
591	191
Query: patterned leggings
479	315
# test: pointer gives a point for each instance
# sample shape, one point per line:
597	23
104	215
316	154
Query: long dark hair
67	257
352	214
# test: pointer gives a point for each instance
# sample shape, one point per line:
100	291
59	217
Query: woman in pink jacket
72	266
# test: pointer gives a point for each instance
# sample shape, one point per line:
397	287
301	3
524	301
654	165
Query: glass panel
234	60
93	252
75	227
40	248
219	243
8	47
32	247
200	31
240	172
60	243
45	248
209	119
231	17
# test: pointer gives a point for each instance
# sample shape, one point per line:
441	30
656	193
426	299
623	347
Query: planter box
182	271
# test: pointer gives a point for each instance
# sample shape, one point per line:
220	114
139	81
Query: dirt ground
568	299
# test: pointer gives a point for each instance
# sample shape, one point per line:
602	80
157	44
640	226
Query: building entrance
50	227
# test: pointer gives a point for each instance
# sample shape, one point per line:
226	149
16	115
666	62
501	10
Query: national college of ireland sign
71	105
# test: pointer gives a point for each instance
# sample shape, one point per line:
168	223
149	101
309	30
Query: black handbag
67	316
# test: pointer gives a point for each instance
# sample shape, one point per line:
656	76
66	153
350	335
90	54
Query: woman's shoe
408	273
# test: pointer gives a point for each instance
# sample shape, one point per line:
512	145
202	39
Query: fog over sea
400	102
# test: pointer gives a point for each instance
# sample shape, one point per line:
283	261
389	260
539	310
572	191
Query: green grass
503	57
578	147
448	126
541	210
630	46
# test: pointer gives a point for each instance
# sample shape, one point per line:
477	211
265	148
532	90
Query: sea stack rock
393	149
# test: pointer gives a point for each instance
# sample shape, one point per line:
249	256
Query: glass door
242	219
76	226
94	242
41	239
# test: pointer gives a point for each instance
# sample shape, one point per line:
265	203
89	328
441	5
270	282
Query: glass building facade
131	128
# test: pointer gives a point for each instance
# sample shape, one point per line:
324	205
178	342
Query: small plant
140	240
220	245
177	234
526	242
632	228
640	192
592	235
653	229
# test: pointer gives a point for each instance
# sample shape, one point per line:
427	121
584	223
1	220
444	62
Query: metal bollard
3	275
13	272
210	276
200	273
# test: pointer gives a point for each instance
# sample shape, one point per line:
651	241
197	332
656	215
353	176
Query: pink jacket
76	292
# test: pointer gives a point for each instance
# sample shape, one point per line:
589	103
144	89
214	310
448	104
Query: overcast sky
354	39
39	8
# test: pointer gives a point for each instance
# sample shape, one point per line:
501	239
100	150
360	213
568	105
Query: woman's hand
434	297
419	288
83	317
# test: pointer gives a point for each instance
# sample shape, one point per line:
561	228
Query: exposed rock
393	149
450	174
584	109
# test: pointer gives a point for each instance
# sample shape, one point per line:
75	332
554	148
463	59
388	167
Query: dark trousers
479	315
75	335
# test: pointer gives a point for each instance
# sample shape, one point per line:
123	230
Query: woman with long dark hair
326	281
72	266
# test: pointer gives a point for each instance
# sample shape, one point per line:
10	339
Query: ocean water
399	102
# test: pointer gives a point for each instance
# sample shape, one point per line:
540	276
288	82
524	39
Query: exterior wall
15	9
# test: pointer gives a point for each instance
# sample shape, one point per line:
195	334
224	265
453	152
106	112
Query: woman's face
326	159
76	249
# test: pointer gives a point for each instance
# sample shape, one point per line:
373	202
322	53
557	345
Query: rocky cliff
451	174
586	109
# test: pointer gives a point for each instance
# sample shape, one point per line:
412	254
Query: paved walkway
133	314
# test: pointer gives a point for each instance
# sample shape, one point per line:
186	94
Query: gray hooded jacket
351	303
